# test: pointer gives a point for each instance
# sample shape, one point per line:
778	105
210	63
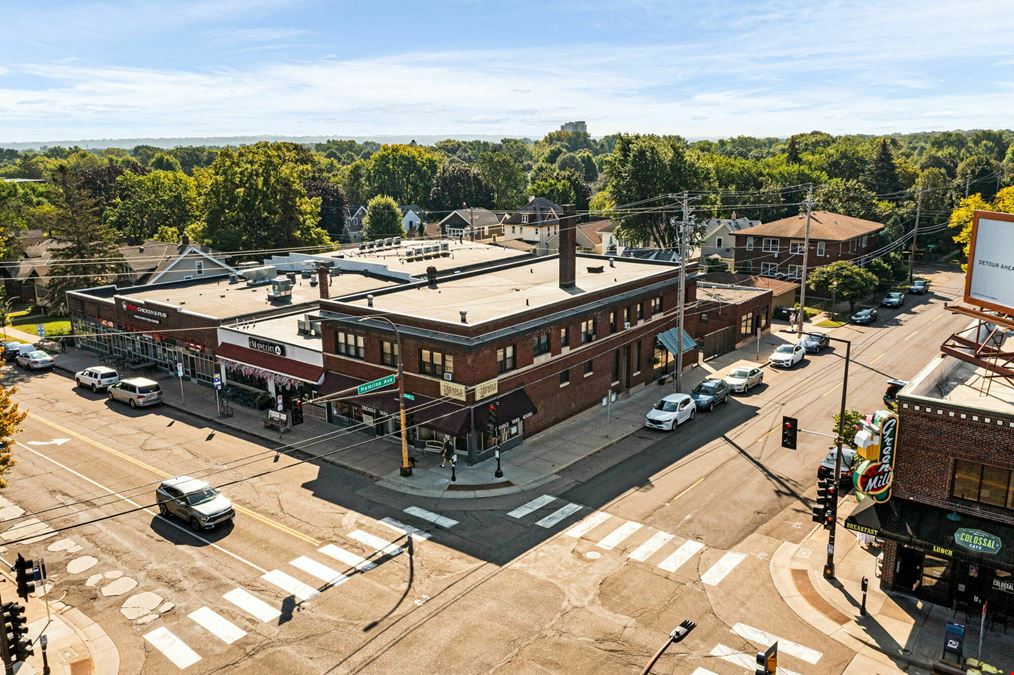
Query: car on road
848	459
893	299
11	350
35	360
136	391
786	356
194	501
710	393
744	378
864	316
96	377
783	312
891	395
919	287
814	343
670	412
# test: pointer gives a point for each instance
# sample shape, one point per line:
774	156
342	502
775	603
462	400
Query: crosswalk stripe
347	557
429	516
616	537
588	524
648	548
329	576
403	529
217	625
30	527
703	671
681	555
558	515
784	646
290	585
721	569
174	649
252	605
748	661
375	542
531	506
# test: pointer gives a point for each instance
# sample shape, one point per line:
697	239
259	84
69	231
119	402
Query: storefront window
981	483
966	480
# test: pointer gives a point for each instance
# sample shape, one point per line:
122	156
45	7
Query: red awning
276	364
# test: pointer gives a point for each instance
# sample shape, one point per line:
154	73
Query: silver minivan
136	391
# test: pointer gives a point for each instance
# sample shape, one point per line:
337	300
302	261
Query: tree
383	218
843	280
792	155
332	204
14	207
883	271
549	182
404	172
354	179
11	417
87	255
847	197
163	202
456	185
845	158
962	217
882	174
505	176
163	161
254	199
846	435
977	175
100	181
5	311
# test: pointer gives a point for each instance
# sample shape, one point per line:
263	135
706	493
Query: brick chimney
323	279
568	247
431	276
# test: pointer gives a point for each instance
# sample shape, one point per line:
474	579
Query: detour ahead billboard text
989	281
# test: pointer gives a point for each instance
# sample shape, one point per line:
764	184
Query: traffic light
790	427
767	661
297	411
493	422
24	570
15	629
827	495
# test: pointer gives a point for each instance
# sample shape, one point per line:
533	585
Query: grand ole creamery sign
874	478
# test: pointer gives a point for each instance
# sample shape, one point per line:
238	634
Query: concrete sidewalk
899	633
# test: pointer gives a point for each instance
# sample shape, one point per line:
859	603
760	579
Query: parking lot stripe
592	521
403	529
678	558
217	625
347	557
290	585
429	516
329	576
648	548
252	605
375	542
721	569
174	649
789	647
558	515
531	506
616	537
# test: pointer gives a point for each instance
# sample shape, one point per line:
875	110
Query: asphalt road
673	526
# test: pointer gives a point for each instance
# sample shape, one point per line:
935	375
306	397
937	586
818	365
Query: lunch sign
874	478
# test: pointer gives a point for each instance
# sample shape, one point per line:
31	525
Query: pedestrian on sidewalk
447	452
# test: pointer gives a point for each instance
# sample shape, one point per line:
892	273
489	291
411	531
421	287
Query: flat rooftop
219	299
511	290
946	378
729	295
281	329
465	254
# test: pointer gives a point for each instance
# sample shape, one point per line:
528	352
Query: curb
104	655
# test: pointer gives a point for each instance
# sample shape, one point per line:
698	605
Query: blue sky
122	68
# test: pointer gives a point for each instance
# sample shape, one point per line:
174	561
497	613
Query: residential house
775	249
478	222
25	278
589	237
718	243
354	215
411	217
535	223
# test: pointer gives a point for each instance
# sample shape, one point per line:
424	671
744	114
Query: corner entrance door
908	570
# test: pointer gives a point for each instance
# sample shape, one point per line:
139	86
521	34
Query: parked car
96	377
670	412
710	393
848	459
864	316
35	360
782	312
786	356
893	299
744	378
194	501
11	350
891	395
136	391
919	287
815	343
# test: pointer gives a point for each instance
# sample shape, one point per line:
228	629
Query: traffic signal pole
829	566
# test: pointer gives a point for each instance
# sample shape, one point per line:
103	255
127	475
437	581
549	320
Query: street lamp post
406	466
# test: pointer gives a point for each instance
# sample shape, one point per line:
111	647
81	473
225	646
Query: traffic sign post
374	385
40	330
179	374
217	381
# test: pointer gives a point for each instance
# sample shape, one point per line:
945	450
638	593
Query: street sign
40	330
217	381
367	387
179	369
409	397
279	403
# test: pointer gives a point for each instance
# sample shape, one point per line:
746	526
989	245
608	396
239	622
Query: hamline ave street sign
373	385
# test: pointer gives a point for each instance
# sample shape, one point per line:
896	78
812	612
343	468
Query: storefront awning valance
279	365
669	341
514	407
934	529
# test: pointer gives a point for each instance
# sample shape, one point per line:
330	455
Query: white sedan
36	360
786	356
670	412
743	379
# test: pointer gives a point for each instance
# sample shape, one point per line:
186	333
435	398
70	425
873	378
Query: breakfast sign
874	478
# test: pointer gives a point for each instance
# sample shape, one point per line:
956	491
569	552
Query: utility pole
915	236
681	239
801	314
968	184
471	221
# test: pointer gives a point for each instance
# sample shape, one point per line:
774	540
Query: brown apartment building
776	248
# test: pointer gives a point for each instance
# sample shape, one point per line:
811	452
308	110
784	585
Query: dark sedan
919	287
814	343
865	316
710	393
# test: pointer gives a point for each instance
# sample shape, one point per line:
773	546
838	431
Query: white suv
96	377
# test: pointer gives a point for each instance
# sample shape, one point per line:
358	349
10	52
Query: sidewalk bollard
499	472
454	463
866	584
44	642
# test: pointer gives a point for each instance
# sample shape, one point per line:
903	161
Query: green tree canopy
403	172
847	197
383	218
505	175
11	417
843	280
332	204
456	185
978	174
163	161
882	174
164	200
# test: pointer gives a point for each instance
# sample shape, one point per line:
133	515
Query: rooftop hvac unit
397	241
281	289
259	275
302	327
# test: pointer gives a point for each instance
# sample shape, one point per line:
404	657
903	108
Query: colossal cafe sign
874	478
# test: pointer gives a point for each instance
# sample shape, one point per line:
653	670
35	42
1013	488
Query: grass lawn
55	325
830	323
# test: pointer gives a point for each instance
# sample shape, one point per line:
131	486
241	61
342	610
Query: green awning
669	341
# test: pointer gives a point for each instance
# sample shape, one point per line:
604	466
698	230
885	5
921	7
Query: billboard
989	281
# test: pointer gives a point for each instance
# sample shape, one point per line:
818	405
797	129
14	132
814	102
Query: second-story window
770	245
587	331
612	322
389	353
796	247
505	359
640	310
524	218
540	344
564	337
749	243
351	345
434	363
821	249
656	305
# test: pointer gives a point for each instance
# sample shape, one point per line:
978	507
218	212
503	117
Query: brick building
948	528
776	248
